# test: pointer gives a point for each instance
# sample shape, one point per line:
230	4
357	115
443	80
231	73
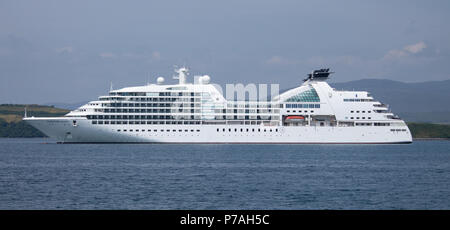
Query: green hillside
11	124
427	130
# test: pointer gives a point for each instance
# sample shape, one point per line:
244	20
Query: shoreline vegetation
12	126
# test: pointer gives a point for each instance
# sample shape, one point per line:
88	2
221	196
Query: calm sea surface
36	175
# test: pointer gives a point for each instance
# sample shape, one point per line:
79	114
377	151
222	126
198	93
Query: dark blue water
34	175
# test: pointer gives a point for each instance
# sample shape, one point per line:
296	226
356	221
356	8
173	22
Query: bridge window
305	96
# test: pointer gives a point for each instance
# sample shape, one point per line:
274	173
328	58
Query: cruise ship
311	113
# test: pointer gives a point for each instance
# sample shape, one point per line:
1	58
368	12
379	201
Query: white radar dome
205	79
160	80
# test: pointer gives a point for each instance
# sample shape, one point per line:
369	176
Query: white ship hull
62	130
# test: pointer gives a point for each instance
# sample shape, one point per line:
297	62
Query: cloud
416	48
107	55
406	51
65	50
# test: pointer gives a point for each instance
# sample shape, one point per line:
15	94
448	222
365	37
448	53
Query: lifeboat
294	118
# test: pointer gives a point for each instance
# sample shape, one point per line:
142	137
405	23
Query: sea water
39	174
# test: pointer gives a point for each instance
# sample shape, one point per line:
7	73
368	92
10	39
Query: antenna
25	115
111	87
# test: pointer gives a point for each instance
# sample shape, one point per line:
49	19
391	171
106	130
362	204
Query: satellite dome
205	79
160	80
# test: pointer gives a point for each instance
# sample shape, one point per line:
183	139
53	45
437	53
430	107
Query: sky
71	51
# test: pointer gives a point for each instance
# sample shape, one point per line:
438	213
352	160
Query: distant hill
11	124
69	106
424	130
415	102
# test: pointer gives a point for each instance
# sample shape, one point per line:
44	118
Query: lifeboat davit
295	118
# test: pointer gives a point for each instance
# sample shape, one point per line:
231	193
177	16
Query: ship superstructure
198	113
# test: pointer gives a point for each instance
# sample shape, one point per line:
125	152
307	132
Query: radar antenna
319	75
182	72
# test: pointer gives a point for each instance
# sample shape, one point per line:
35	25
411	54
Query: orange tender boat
295	118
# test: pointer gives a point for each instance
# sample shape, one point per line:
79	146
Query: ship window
124	130
198	130
305	96
352	118
357	111
217	130
118	130
259	130
276	130
369	118
192	130
131	130
351	111
223	130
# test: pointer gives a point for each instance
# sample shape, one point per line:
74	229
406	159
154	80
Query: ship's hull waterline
62	130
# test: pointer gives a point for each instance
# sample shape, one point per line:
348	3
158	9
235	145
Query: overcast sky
70	51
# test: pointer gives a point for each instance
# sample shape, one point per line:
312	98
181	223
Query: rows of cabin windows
357	100
168	97
374	124
196	103
189	110
360	111
294	106
154	94
156	130
357	118
305	111
101	122
247	130
169	117
149	104
398	130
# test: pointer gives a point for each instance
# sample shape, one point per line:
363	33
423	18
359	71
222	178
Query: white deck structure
198	113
